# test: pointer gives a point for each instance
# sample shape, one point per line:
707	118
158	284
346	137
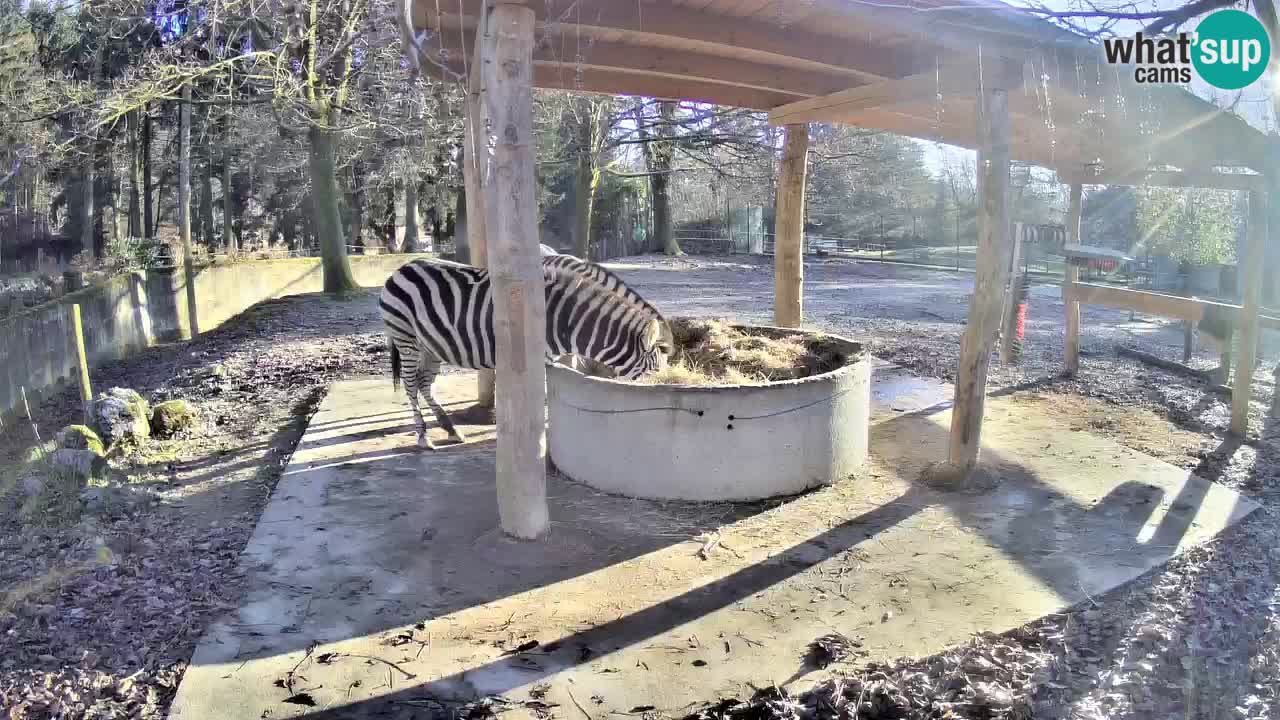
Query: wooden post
1072	277
788	253
1188	340
1248	325
1224	358
510	205
472	158
1009	326
86	392
989	279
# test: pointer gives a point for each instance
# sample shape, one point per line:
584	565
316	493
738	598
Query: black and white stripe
438	312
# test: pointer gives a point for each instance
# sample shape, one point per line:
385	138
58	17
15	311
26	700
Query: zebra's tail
395	364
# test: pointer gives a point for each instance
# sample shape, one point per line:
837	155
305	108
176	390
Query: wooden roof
911	67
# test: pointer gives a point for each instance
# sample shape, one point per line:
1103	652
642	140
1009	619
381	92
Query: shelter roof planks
1070	110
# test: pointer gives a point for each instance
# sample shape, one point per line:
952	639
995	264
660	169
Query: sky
1253	103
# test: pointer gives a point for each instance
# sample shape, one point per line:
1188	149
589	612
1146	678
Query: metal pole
957	242
86	392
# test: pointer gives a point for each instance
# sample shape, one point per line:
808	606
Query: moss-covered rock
122	415
78	464
172	417
80	437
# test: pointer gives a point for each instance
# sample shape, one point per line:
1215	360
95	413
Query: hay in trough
714	352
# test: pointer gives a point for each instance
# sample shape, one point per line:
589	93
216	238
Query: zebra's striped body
438	312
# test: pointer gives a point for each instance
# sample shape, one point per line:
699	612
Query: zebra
438	312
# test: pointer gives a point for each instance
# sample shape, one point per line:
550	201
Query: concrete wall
131	312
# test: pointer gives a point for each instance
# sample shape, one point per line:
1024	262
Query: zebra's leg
430	370
412	383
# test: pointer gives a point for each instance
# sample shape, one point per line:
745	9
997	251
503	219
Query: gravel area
99	617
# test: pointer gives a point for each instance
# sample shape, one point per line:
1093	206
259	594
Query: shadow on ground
1053	536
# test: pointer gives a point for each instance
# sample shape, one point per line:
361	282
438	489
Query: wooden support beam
755	39
1175	307
1167	178
989	279
620	82
519	303
1073	277
568	55
1248	324
1143	301
788	248
914	88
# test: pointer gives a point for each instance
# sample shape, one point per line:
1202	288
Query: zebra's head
655	346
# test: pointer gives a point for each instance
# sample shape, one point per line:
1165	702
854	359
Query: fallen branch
1207	376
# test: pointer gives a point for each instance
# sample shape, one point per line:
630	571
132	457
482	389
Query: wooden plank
1143	301
845	104
1177	179
788	260
1072	278
511	223
1248	325
989	279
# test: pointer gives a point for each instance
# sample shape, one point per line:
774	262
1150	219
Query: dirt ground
98	619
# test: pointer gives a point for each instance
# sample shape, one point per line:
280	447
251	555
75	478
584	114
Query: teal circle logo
1231	49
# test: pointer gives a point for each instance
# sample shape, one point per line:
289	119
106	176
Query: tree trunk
437	229
206	183
583	196
389	219
148	213
117	217
228	222
327	221
461	247
357	205
87	182
410	215
664	238
184	173
665	153
104	197
135	176
184	207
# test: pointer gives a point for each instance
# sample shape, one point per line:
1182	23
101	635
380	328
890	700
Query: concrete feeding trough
714	443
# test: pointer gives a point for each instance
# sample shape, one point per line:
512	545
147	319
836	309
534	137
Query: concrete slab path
380	588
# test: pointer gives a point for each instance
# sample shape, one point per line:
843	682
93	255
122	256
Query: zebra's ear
652	334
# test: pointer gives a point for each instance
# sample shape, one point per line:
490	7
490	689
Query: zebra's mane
590	279
593	280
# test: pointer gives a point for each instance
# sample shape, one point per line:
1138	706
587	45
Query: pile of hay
713	352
